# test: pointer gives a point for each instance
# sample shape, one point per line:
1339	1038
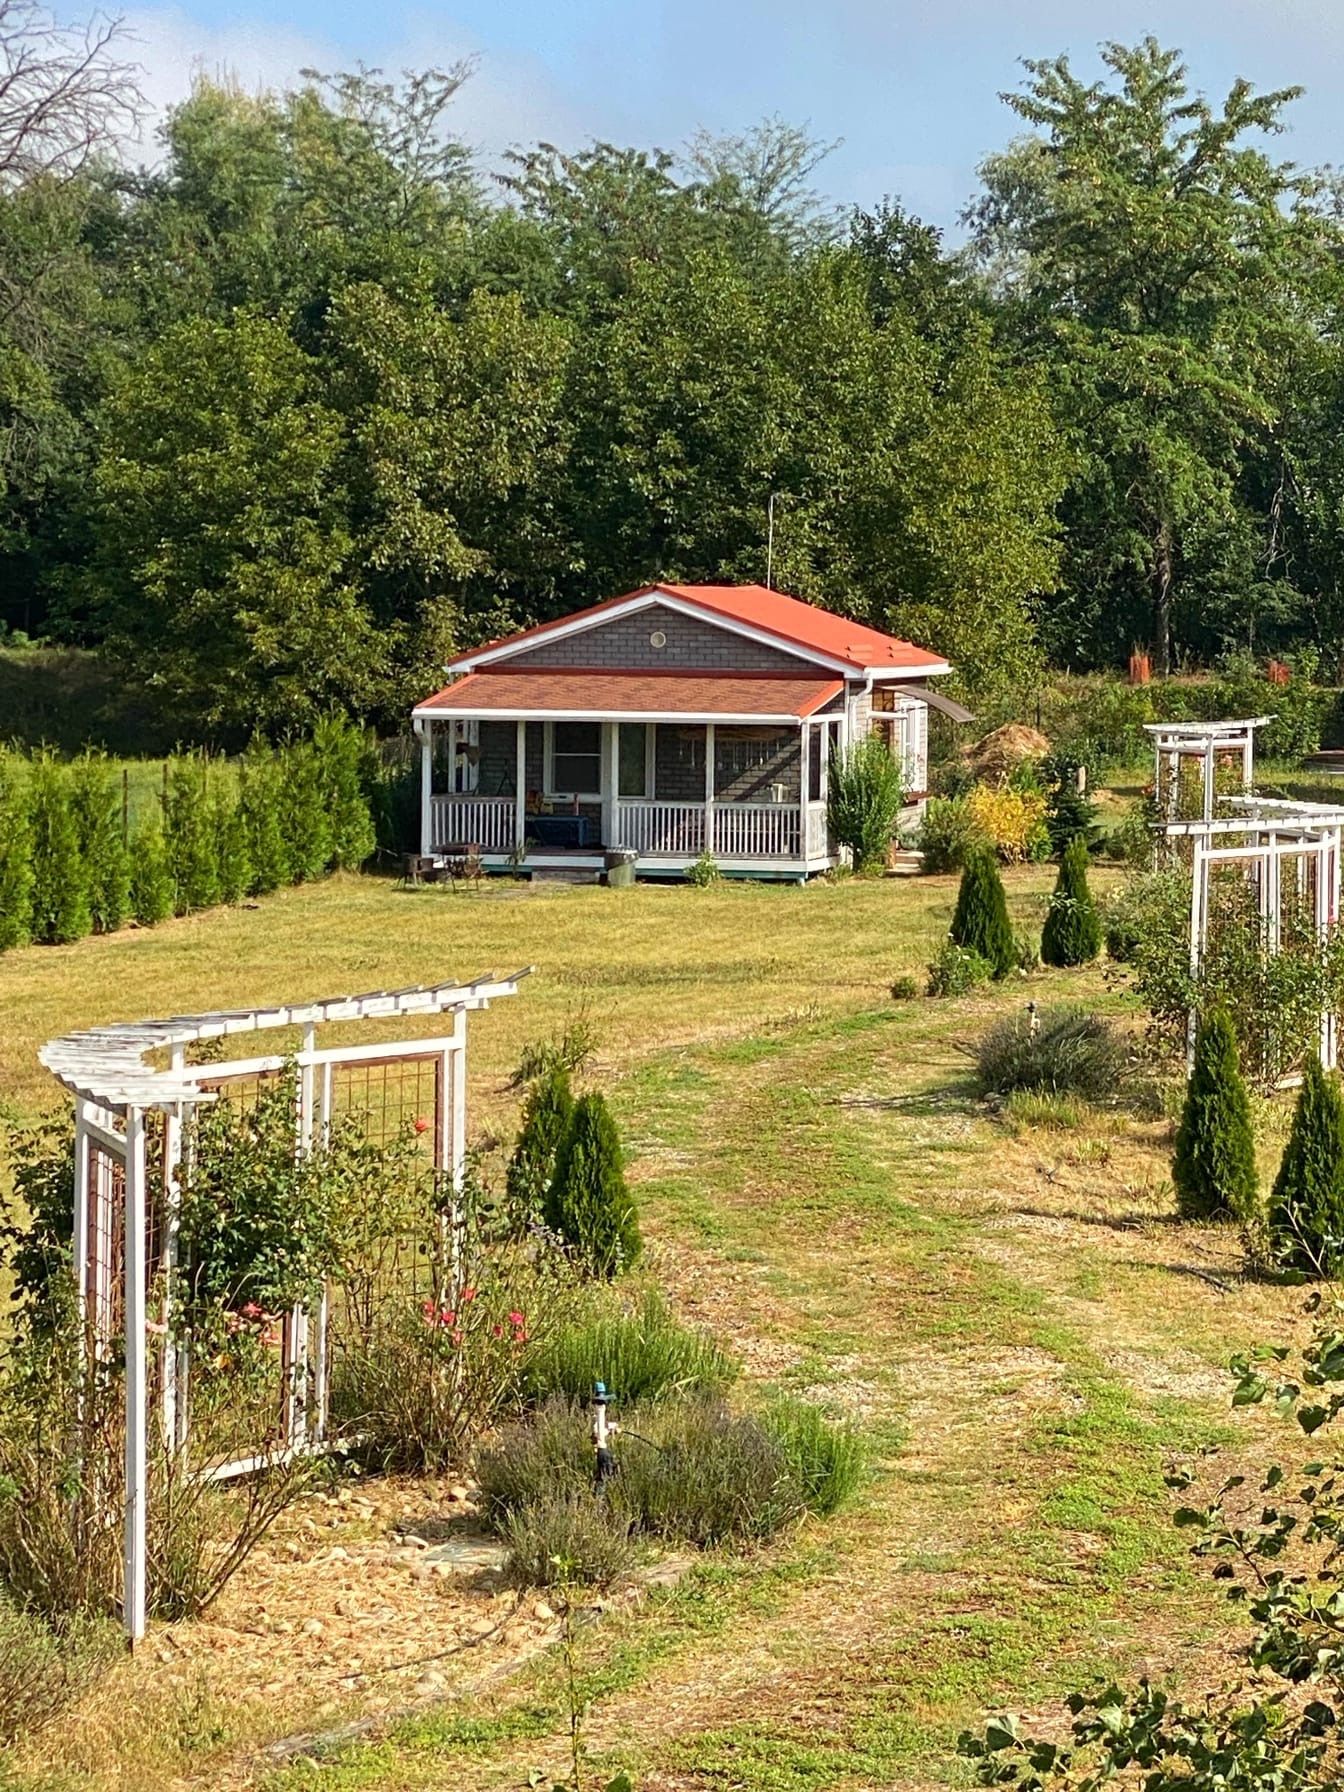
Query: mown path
1028	1340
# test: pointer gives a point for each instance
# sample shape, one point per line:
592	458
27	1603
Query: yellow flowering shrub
1013	821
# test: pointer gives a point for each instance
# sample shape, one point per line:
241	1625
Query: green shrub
60	888
1072	931
642	1354
96	800
863	799
588	1204
43	1670
825	1458
1132	840
1298	707
261	800
342	754
547	1455
546	1116
980	922
189	834
948	833
904	989
1214	1166
152	889
1306	1207
1068	809
956	971
16	854
705	871
304	824
232	858
1068	1053
567	1539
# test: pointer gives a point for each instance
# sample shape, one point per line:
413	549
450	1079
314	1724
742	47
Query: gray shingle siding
692	646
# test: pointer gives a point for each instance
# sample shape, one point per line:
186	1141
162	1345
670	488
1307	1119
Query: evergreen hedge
981	924
1306	1208
283	814
1214	1166
1072	932
587	1203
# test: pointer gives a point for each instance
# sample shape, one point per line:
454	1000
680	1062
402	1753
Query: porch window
636	759
574	760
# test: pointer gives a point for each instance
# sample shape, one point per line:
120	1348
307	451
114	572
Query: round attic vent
657	638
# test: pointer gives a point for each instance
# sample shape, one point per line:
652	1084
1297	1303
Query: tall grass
642	1353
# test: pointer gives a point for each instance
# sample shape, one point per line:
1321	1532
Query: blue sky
911	86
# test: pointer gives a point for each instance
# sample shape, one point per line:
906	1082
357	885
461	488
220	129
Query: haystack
994	758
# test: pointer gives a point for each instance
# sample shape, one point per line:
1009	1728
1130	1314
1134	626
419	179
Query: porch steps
565	874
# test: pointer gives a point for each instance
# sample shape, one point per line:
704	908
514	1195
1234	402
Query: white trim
642	715
548	790
564	628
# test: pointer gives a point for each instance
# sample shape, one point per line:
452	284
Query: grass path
1009	1313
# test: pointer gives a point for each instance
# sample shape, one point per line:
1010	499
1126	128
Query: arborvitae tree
233	862
303	813
1214	1166
60	882
16	854
1072	932
96	798
1306	1208
189	835
152	885
260	801
546	1115
341	750
588	1203
981	922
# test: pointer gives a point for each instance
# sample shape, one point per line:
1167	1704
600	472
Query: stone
410	1541
458	1492
338	1555
314	1627
543	1611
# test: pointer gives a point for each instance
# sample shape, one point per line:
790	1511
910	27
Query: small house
675	721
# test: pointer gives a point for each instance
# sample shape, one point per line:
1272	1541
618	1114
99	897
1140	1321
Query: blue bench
560	830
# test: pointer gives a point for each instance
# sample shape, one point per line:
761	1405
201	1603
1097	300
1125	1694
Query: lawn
1008	1310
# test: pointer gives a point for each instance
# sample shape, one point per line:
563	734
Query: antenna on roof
770	542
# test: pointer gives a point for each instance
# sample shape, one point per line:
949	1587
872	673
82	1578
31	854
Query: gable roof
756	610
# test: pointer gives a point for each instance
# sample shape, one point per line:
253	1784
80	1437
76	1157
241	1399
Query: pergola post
133	1542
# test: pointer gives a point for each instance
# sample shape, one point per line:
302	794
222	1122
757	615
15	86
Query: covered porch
533	793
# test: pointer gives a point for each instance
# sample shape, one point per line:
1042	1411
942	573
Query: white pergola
1207	742
117	1091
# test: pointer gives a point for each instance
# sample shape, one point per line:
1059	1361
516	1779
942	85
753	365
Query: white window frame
650	747
549	791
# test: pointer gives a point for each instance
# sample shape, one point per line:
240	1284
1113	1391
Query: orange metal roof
787	618
676	695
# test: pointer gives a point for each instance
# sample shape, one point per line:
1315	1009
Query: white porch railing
818	835
756	831
672	830
484	821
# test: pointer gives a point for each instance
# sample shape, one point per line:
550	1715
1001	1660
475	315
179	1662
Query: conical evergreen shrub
588	1203
981	922
16	854
96	797
152	886
342	750
233	861
1306	1208
546	1115
189	834
1072	932
1214	1165
60	897
304	825
260	799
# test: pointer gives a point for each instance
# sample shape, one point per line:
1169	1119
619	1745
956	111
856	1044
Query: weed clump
44	1670
1063	1051
642	1354
956	971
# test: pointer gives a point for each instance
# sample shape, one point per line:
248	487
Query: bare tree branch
64	95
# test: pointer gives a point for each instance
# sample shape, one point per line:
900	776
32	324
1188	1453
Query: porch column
709	787
611	782
804	788
520	787
426	787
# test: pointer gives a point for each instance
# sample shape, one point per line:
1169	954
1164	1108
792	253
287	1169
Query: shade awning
635	696
935	699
